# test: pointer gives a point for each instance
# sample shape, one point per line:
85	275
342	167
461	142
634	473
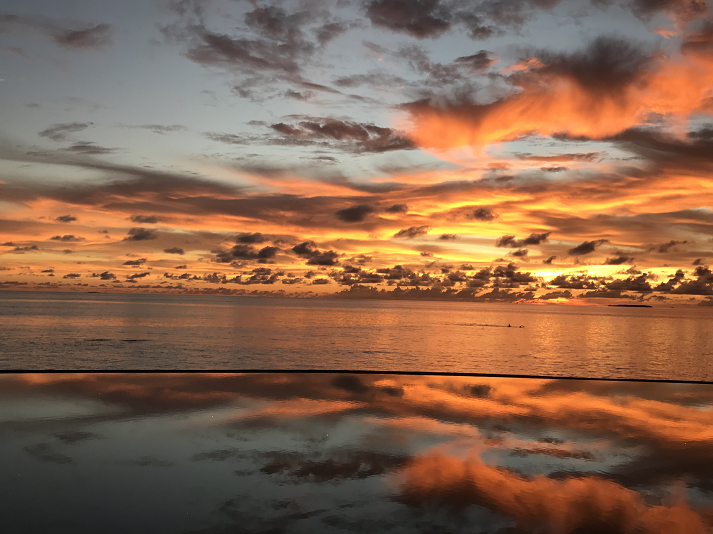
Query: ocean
82	331
301	453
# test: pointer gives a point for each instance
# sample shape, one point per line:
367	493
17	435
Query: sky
500	150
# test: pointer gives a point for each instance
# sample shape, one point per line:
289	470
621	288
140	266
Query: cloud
72	36
249	238
349	135
140	234
512	242
308	250
411	232
354	213
174	250
68	238
59	132
618	260
397	208
145	219
598	91
587	247
665	247
482	214
135	263
106	275
93	38
162	128
30	248
65	218
84	147
244	251
447	237
477	62
137	275
72	275
418	18
375	79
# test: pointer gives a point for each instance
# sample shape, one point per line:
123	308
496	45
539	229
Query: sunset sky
551	150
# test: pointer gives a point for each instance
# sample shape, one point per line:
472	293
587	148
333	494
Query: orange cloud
563	96
541	503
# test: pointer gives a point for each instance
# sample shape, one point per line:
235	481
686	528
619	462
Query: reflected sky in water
309	452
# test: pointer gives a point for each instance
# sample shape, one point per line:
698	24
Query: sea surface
82	331
337	453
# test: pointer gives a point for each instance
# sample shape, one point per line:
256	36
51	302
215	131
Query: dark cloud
605	67
521	253
135	263
476	62
418	18
618	260
72	275
549	260
106	275
512	242
92	149
575	282
665	247
702	285
250	239
174	250
354	214
30	248
66	218
397	208
413	231
140	234
698	261
96	37
68	238
59	132
309	251
349	135
482	214
243	251
553	169
586	247
330	31
145	219
73	36
639	284
700	43
447	237
137	275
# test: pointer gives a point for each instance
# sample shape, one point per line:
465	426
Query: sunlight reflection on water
65	331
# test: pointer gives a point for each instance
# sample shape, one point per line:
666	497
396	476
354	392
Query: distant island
630	305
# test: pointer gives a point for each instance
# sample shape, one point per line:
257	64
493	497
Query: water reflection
292	452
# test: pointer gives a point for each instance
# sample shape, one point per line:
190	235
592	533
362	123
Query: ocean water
110	331
336	453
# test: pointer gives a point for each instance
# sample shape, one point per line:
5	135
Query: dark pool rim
347	371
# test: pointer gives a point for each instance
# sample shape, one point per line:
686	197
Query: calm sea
303	453
109	331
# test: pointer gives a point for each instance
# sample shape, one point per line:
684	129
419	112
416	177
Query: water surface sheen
108	331
335	453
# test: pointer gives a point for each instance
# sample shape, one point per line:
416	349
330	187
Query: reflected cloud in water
313	452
